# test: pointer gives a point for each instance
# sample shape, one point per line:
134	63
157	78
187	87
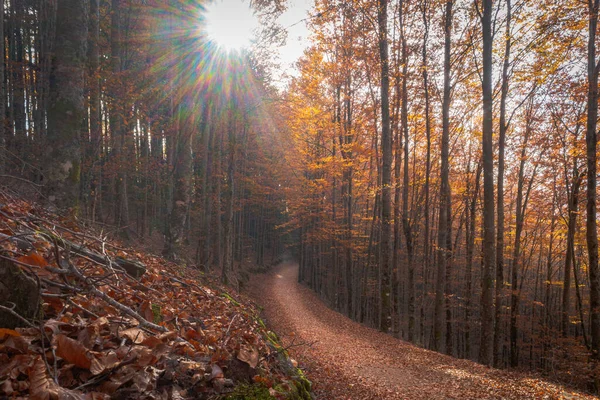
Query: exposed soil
346	360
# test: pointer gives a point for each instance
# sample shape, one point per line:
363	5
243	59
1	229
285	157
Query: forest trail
346	360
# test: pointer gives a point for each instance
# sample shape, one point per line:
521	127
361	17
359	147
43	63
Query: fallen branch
126	310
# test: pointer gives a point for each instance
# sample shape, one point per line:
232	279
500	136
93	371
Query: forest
431	165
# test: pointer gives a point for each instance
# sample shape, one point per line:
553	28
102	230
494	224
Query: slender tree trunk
571	226
426	243
444	215
2	94
470	250
500	209
386	176
406	223
94	147
548	286
227	266
67	110
521	207
116	121
182	171
487	304
591	143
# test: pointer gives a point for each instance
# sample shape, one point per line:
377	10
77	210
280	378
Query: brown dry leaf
152	341
56	326
136	335
73	352
14	344
41	387
249	355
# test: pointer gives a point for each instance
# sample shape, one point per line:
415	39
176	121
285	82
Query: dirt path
346	360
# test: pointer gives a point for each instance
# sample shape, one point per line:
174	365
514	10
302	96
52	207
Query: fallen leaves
347	360
249	355
87	348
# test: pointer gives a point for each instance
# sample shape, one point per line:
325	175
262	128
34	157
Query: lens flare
230	24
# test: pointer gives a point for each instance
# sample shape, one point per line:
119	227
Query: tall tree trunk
94	146
548	285
591	143
472	206
500	209
182	171
406	222
2	95
116	121
571	226
444	215
67	109
426	235
487	304
521	207
227	266
386	173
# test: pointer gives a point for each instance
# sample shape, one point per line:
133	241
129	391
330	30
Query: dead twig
11	311
123	308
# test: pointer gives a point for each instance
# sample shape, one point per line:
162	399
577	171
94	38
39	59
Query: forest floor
346	360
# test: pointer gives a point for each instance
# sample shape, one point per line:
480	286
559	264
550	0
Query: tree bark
500	209
571	226
591	145
386	175
2	95
487	304
67	109
444	215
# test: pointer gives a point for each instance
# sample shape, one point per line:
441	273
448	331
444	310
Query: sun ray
230	24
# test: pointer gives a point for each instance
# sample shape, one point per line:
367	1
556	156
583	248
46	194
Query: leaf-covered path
346	360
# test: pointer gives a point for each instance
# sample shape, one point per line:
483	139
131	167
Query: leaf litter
347	360
100	333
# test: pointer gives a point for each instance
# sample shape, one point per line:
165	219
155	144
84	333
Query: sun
230	24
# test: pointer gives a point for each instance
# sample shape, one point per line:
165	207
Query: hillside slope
84	317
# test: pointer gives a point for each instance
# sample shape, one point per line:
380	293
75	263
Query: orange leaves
33	259
72	352
8	332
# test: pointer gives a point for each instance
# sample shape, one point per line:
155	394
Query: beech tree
66	107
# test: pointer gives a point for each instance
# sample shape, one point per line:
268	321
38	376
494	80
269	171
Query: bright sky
230	24
297	39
